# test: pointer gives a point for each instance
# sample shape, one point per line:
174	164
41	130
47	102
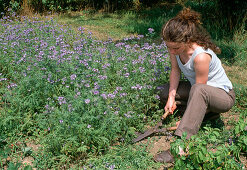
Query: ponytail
187	27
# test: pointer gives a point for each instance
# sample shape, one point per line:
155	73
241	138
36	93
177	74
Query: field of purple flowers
75	95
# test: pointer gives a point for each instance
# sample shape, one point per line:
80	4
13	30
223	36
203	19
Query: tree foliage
235	12
232	14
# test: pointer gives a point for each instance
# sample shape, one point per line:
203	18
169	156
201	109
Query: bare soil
29	159
236	74
158	144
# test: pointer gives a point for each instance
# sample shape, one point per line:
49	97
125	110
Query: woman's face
175	48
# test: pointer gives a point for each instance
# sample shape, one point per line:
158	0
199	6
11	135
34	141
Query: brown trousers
200	99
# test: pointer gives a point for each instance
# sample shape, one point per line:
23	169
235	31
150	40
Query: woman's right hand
170	105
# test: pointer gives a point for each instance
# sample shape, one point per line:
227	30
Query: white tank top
216	76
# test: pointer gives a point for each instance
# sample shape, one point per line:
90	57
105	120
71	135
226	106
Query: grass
123	24
103	26
120	24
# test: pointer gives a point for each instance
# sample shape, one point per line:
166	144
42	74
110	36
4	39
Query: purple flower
104	96
123	94
70	108
47	106
106	65
157	97
140	36
102	77
127	46
95	92
89	126
153	62
12	85
150	30
102	50
142	69
138	86
61	100
112	167
87	101
126	75
95	70
96	86
133	87
73	77
81	29
127	115
3	79
61	121
111	96
119	88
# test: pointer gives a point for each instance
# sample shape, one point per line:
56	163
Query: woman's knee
163	91
198	89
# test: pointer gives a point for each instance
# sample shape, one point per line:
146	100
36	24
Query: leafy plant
77	94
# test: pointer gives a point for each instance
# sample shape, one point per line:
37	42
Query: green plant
207	151
122	157
213	147
76	94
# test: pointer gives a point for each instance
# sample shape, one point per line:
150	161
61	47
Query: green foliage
121	157
215	148
231	40
209	150
234	51
241	93
78	95
234	11
227	15
240	132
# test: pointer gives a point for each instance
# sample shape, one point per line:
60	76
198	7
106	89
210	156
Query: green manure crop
81	100
78	96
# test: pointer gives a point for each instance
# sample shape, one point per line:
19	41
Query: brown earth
158	144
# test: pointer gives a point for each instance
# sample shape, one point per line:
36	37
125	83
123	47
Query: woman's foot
164	157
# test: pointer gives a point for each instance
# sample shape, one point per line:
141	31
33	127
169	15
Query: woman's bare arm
201	65
174	81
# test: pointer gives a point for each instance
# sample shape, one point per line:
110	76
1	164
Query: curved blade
144	135
147	133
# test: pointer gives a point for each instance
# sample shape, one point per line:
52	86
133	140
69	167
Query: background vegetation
224	19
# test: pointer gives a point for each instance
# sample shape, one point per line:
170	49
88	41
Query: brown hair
186	27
